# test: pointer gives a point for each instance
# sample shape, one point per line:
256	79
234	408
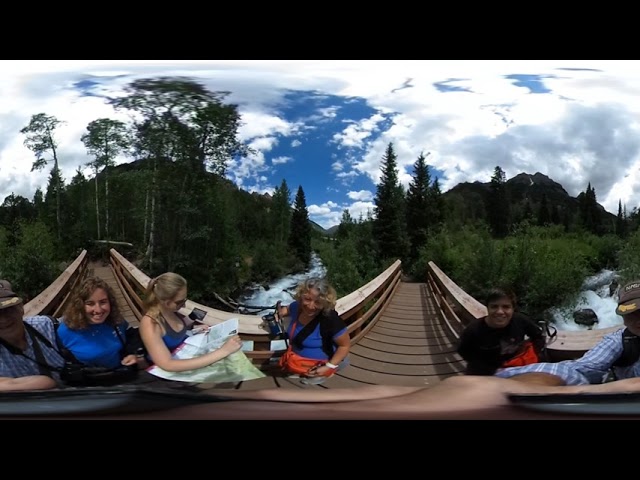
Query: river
594	294
283	288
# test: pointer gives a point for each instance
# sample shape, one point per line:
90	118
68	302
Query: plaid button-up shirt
591	368
18	366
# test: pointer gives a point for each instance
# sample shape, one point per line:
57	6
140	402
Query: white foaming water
594	295
279	289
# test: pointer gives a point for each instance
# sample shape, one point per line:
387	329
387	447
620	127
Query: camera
197	314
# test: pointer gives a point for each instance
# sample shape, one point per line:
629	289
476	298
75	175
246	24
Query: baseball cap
628	298
7	297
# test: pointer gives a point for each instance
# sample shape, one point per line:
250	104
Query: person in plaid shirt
618	353
27	347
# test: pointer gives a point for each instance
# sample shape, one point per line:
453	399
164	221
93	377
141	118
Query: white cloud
361	195
581	129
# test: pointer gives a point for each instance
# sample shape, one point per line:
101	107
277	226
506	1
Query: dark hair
497	293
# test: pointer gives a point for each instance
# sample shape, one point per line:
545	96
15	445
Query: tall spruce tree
300	233
436	204
498	210
621	221
589	213
419	210
281	212
389	227
544	218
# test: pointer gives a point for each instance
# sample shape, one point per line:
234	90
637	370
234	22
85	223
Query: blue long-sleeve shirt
591	368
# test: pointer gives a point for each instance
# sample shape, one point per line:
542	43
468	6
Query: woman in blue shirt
316	331
93	329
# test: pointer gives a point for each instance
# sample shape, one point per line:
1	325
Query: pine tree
621	221
543	212
281	212
300	236
498	211
419	210
389	227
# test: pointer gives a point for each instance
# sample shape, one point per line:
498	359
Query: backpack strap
36	337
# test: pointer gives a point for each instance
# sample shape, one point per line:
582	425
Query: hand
129	360
232	345
320	371
200	329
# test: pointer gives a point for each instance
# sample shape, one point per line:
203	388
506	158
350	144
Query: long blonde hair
163	287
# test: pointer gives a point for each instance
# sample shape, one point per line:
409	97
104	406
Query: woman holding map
163	328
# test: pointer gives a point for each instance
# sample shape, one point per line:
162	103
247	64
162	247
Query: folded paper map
234	368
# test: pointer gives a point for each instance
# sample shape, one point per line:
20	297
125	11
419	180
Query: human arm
282	310
343	343
599	359
30	382
151	334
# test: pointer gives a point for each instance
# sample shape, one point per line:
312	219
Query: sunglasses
180	303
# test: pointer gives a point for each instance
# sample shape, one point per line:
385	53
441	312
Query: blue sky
324	125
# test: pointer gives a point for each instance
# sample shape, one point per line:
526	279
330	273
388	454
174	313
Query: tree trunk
106	203
152	225
97	209
55	166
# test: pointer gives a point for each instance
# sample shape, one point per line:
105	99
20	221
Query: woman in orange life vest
498	340
318	339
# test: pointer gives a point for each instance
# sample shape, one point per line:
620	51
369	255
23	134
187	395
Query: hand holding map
235	367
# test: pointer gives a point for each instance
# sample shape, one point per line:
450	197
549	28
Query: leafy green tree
105	140
182	122
346	226
14	210
300	232
389	227
40	139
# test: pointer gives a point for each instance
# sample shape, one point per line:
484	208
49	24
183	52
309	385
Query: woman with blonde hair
319	340
163	328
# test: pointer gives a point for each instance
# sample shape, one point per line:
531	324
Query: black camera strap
34	335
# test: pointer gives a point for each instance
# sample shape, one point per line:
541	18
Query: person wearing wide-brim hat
616	356
27	346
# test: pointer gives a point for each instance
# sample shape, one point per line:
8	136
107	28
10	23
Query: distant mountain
318	228
522	189
331	231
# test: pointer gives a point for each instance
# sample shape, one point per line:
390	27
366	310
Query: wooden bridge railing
53	299
358	309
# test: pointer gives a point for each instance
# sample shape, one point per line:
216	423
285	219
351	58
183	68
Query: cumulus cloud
574	121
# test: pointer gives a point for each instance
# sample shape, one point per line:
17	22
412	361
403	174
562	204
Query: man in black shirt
488	343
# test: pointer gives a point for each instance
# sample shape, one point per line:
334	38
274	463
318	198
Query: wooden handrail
359	308
53	299
467	306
